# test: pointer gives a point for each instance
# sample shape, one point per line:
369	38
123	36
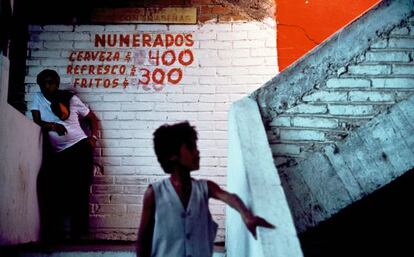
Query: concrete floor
85	249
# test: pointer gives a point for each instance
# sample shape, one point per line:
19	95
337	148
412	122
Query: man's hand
235	202
253	221
92	141
59	128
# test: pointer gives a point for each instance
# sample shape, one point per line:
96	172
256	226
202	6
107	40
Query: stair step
89	254
80	250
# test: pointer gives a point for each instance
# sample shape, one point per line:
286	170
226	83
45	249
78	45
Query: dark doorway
378	225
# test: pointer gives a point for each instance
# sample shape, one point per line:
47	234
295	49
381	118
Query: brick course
366	88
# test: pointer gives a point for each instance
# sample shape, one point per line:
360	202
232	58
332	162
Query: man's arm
48	126
93	123
235	202
146	226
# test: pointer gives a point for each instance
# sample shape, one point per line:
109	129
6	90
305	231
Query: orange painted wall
303	24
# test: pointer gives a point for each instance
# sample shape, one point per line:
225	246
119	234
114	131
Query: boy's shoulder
163	182
158	182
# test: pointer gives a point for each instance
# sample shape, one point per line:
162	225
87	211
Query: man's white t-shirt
75	132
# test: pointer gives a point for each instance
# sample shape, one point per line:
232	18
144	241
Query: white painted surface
253	176
20	159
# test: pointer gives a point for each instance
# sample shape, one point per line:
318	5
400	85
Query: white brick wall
230	61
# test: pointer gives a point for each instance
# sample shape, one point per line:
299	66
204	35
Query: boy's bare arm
235	202
146	227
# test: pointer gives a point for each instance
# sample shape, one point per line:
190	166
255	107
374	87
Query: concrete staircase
339	124
339	121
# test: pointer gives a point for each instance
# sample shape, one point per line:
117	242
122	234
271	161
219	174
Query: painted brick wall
230	61
375	80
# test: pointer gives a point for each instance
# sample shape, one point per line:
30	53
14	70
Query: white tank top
179	232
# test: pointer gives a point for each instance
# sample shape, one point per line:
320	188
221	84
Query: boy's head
49	81
176	145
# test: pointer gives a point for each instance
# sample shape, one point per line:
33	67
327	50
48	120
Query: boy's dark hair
47	74
168	140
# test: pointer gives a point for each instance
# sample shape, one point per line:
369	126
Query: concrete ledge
253	176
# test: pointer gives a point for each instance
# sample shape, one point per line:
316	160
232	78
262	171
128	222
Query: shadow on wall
378	225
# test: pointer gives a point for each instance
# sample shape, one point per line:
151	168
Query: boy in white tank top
176	221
